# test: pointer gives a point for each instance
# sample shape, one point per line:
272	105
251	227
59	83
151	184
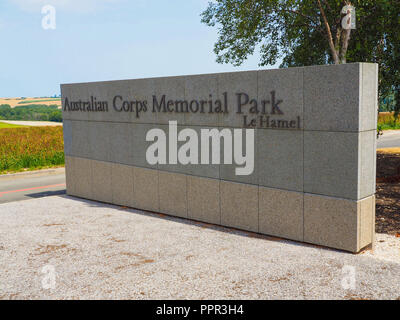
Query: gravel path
34	123
106	252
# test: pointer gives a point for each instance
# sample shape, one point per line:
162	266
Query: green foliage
33	112
388	126
294	31
388	103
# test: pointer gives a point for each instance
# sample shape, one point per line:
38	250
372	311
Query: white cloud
79	6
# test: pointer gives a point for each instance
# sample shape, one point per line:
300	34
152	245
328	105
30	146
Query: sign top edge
210	74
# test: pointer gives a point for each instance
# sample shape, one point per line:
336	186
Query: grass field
387	121
30	148
8	125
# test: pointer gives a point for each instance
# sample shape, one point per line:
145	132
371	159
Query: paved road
389	139
29	185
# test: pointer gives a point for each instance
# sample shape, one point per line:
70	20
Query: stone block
211	170
142	90
331	164
104	92
202	88
338	223
121	143
100	137
67	133
82	178
70	176
369	96
229	172
367	165
234	84
81	146
281	213
139	145
203	170
332	97
280	159
204	199
122	184
174	90
331	222
145	189
282	92
367	221
73	92
239	206
101	181
173	194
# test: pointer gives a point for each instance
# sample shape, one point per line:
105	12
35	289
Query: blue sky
98	40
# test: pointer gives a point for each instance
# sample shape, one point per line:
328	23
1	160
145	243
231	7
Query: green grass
41	100
387	121
8	125
389	126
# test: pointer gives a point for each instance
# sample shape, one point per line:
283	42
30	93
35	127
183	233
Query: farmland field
13	102
30	148
53	100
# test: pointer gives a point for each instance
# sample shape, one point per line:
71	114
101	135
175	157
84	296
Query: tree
55	116
310	32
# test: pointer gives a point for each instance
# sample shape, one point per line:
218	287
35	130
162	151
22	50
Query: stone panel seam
158	190
219	202
187	196
220	126
219	167
359	164
303	162
257	166
360	97
359	223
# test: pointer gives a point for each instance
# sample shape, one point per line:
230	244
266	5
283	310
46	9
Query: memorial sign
288	153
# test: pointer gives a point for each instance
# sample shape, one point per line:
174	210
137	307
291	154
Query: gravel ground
101	251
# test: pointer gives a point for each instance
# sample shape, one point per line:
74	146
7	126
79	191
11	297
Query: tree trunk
334	53
345	45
